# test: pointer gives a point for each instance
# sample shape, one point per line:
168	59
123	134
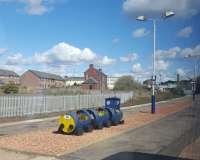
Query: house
147	83
164	86
94	79
111	82
74	81
41	80
7	76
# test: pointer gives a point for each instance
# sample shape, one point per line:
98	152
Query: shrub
10	89
126	83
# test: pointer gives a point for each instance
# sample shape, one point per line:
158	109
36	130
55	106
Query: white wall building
164	87
71	81
111	81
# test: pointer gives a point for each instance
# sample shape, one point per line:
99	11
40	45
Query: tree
10	88
126	83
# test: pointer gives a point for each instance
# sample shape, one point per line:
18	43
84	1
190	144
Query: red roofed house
94	79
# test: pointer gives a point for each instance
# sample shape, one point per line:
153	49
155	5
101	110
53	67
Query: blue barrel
100	117
96	119
85	120
116	115
104	114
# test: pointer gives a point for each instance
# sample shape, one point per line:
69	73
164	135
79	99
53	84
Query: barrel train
76	122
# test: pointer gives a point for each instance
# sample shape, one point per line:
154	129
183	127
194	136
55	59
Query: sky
65	36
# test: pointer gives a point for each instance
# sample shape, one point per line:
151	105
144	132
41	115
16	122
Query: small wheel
99	126
121	122
115	123
108	124
60	129
89	128
79	131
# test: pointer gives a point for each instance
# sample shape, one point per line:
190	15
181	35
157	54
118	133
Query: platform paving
164	139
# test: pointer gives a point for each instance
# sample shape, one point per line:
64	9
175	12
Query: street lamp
194	82
165	15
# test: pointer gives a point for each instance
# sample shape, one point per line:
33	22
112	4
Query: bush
10	89
126	83
177	91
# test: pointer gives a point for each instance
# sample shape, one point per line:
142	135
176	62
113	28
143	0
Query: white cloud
136	68
121	74
165	76
191	51
185	32
35	7
32	7
116	40
180	71
129	58
63	53
182	8
161	65
14	68
170	53
14	59
3	50
17	59
106	61
140	32
87	55
59	57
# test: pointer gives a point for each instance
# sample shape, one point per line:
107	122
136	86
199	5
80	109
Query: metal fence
12	106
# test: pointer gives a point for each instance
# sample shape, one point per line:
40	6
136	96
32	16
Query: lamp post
165	15
194	82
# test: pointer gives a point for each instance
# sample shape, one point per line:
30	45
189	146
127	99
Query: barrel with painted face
68	123
115	115
75	122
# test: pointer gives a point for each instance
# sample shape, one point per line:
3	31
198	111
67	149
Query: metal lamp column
153	98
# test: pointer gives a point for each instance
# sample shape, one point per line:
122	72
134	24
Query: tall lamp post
165	15
194	82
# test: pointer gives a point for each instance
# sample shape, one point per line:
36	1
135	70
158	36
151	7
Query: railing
12	106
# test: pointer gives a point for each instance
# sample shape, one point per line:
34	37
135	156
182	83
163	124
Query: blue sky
64	36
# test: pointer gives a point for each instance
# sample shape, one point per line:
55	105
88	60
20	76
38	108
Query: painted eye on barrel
67	116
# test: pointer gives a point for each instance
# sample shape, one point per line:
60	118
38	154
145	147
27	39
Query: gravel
47	142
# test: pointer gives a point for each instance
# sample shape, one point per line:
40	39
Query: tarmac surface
162	139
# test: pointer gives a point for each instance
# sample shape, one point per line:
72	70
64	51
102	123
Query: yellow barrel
67	124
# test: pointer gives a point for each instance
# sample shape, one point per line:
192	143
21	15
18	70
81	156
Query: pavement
192	150
27	126
162	139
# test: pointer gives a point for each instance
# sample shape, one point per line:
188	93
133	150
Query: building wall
72	82
30	80
89	87
111	82
98	76
7	80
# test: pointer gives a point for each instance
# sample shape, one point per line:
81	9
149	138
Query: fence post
63	102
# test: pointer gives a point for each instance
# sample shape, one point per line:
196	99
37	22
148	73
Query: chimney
91	66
